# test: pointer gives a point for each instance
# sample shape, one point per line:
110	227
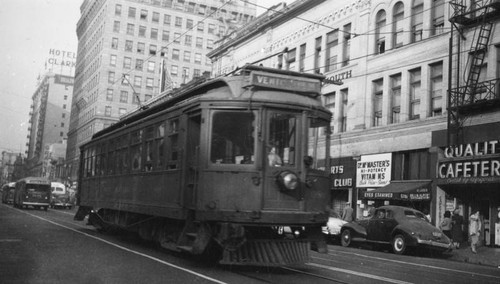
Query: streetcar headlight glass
288	180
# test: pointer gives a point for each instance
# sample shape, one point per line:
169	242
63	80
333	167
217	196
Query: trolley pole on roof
124	78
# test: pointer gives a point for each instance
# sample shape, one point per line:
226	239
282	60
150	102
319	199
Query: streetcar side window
281	146
318	130
136	150
233	137
149	136
160	145
173	144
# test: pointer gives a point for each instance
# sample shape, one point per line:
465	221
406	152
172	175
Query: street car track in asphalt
425	266
122	247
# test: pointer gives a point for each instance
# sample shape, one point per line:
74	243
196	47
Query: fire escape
468	95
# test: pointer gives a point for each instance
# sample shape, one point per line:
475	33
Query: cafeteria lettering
484	168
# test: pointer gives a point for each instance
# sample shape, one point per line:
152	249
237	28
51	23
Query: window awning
413	190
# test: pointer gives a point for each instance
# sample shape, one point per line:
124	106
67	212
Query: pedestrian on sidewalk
457	223
347	215
474	230
445	225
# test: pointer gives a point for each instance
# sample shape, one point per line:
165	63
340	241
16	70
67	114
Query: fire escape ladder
477	55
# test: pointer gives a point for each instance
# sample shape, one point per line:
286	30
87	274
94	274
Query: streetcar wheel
346	238
399	244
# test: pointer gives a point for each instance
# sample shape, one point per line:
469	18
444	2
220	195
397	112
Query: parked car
401	227
332	228
60	196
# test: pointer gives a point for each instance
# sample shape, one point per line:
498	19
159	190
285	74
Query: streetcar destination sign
284	82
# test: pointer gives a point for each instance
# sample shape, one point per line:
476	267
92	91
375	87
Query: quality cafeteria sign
374	170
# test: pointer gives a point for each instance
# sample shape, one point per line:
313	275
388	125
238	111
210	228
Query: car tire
346	238
399	244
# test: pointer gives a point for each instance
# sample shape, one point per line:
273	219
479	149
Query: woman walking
474	230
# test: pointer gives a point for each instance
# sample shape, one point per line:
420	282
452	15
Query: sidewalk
485	256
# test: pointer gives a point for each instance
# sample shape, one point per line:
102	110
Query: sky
29	29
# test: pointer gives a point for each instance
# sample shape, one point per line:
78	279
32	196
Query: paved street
49	247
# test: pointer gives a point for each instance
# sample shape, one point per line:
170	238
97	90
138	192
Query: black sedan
401	227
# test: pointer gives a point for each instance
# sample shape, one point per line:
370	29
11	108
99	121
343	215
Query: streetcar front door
192	159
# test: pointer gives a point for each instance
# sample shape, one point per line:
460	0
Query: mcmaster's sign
374	170
470	163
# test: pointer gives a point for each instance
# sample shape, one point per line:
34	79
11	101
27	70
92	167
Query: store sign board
472	163
374	170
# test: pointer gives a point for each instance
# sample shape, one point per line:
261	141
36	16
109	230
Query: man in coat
348	212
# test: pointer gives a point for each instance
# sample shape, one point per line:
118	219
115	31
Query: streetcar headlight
288	180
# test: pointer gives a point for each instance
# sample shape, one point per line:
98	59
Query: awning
413	190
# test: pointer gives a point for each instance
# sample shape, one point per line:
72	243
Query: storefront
343	174
376	187
470	173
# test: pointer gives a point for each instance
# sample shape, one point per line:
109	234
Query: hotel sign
471	163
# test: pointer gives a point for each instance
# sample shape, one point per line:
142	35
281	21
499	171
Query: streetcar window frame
281	153
235	154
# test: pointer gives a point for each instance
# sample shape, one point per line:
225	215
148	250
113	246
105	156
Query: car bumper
434	244
35	203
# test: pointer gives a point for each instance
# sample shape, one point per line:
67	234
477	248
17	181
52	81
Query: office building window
114	43
200	26
127	63
332	41
197	58
417	20
345	101
109	95
174	70
107	111
152	49
128	45
189	24
116	26
122	111
149	83
378	94
166	20
142	31
123	97
151	66
211	29
111	77
199	42
165	36
196	73
125	79
346	45
130	29
154	34
144	15
396	98
177	37
291	59
187	56
178	22
380	29
112	60
138	81
302	57
188	40
436	90
131	12
329	101
175	54
156	17
118	10
415	93
437	17
317	55
398	25
141	46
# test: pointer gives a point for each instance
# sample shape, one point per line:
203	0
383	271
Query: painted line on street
370	276
412	263
129	250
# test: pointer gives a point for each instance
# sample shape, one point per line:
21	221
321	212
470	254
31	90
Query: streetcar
8	192
217	168
32	191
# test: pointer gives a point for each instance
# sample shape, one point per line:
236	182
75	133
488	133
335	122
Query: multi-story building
49	118
7	163
388	66
130	51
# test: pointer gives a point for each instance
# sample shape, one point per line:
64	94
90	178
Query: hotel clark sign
471	163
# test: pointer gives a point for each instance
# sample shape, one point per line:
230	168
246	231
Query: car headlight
288	180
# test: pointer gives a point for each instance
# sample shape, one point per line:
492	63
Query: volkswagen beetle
401	227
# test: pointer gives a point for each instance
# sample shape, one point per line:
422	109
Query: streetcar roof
305	84
35	180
